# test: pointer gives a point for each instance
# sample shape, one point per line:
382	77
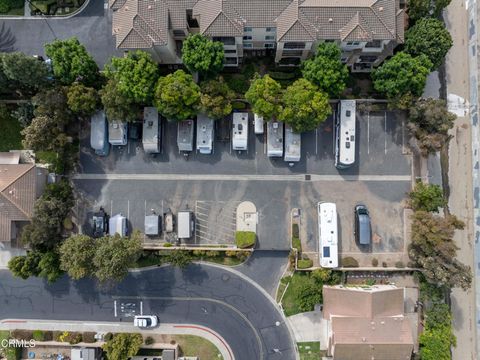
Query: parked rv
293	144
240	131
152	130
204	134
152	225
185	135
117	132
99	134
274	139
258	122
186	224
118	225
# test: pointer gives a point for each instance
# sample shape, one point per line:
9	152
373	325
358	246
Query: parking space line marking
316	141
141	307
403	136
145	211
368	132
385	117
128	209
115	308
111	207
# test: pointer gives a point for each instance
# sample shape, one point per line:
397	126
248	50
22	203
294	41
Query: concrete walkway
83	326
309	326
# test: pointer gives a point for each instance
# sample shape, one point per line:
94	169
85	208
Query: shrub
245	239
304	263
375	262
399	264
242	255
370	282
167	244
295	230
199	253
149	340
230	253
47	335
38	335
384	264
22	334
89	337
212	253
349	262
108	336
321	275
57	335
280	75
73	338
297	244
67	224
238	105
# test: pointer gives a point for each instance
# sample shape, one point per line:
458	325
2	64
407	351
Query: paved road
93	28
200	294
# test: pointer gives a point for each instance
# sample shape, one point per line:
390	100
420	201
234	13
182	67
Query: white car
145	321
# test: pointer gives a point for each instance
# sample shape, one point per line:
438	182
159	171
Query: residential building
367	31
367	323
21	184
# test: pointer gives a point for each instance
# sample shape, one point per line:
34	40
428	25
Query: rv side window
352	137
348	113
347	145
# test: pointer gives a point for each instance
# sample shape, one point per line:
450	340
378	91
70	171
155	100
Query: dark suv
363	229
100	223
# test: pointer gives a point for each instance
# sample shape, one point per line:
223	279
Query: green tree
82	100
426	197
44	134
25	266
402	77
23	71
135	76
177	97
76	254
265	96
116	105
71	62
438	315
429	37
122	346
7	5
309	294
304	106
179	258
216	98
418	9
24	113
430	121
433	249
202	55
54	104
113	256
326	70
49	266
436	343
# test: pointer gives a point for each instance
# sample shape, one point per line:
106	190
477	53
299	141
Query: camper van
292	145
240	131
258	123
118	225
186	224
117	132
99	134
185	134
152	225
204	134
274	139
151	138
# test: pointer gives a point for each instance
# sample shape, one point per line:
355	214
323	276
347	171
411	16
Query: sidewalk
82	326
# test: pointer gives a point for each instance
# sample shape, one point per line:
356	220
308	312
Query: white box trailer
293	144
185	133
118	225
99	134
274	139
185	224
151	135
240	131
117	132
152	225
204	134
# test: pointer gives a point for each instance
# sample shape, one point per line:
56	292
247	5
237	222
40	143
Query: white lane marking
128	209
385	117
111	207
115	308
368	132
316	141
141	307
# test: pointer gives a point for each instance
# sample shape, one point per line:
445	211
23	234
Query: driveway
92	27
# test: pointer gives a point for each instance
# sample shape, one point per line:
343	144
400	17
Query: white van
185	225
118	225
258	124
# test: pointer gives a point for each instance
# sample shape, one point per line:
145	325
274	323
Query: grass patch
245	239
10	137
281	287
291	301
310	351
191	345
304	263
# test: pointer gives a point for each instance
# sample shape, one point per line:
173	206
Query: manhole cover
307	177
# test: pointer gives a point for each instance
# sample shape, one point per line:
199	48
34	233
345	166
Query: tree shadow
7	39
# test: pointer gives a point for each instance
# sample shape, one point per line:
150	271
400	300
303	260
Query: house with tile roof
367	323
21	184
367	31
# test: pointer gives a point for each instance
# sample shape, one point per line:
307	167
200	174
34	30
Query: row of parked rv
281	140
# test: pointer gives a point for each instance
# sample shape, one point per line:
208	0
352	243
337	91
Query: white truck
185	224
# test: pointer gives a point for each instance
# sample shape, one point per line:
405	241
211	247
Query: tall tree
402	77
23	71
44	134
326	70
433	249
25	266
76	254
82	100
71	62
202	55
116	105
265	96
418	9
429	37
114	255
305	106
177	97
54	104
216	98
135	76
123	346
49	266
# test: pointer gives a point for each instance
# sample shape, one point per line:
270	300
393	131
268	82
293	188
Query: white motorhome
345	134
185	224
274	139
240	131
99	134
117	132
328	234
185	132
258	124
118	225
204	134
151	135
293	143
